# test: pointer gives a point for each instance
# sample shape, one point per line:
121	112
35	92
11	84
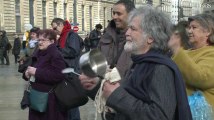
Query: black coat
94	39
16	46
153	90
3	40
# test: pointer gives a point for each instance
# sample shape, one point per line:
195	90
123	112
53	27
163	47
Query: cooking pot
93	63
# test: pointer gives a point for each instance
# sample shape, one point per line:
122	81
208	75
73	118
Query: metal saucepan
93	63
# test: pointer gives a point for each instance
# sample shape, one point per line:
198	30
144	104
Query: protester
24	60
26	38
112	45
47	61
153	89
196	64
32	44
70	47
87	43
95	36
16	48
4	47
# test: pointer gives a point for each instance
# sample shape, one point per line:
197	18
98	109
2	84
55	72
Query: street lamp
179	10
75	11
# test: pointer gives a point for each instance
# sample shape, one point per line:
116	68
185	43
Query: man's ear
150	40
208	34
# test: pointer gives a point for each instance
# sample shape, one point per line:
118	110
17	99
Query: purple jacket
49	64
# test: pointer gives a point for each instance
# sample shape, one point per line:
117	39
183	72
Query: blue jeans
74	114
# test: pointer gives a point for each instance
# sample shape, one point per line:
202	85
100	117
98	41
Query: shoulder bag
70	94
38	100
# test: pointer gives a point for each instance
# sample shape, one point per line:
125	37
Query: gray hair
155	24
207	22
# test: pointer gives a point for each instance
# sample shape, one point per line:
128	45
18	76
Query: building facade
84	13
14	14
208	6
182	9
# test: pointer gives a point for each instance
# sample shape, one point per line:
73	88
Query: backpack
81	42
80	39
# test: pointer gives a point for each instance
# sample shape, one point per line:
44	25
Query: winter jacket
94	39
16	46
49	63
110	43
153	90
3	40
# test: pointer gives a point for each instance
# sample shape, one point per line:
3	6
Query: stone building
208	6
86	13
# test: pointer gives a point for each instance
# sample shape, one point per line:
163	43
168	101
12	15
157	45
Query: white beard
130	46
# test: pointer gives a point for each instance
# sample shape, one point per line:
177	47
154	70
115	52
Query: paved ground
11	90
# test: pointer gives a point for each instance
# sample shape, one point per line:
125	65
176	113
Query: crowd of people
170	65
161	65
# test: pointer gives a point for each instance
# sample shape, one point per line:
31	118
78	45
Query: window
44	14
65	11
83	18
31	2
55	9
18	17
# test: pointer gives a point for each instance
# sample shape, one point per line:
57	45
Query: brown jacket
110	43
108	46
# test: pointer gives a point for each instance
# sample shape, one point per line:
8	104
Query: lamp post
75	11
178	10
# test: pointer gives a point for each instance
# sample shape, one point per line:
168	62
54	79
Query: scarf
64	33
140	91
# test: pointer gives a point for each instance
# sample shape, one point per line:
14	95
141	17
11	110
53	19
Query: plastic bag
200	108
